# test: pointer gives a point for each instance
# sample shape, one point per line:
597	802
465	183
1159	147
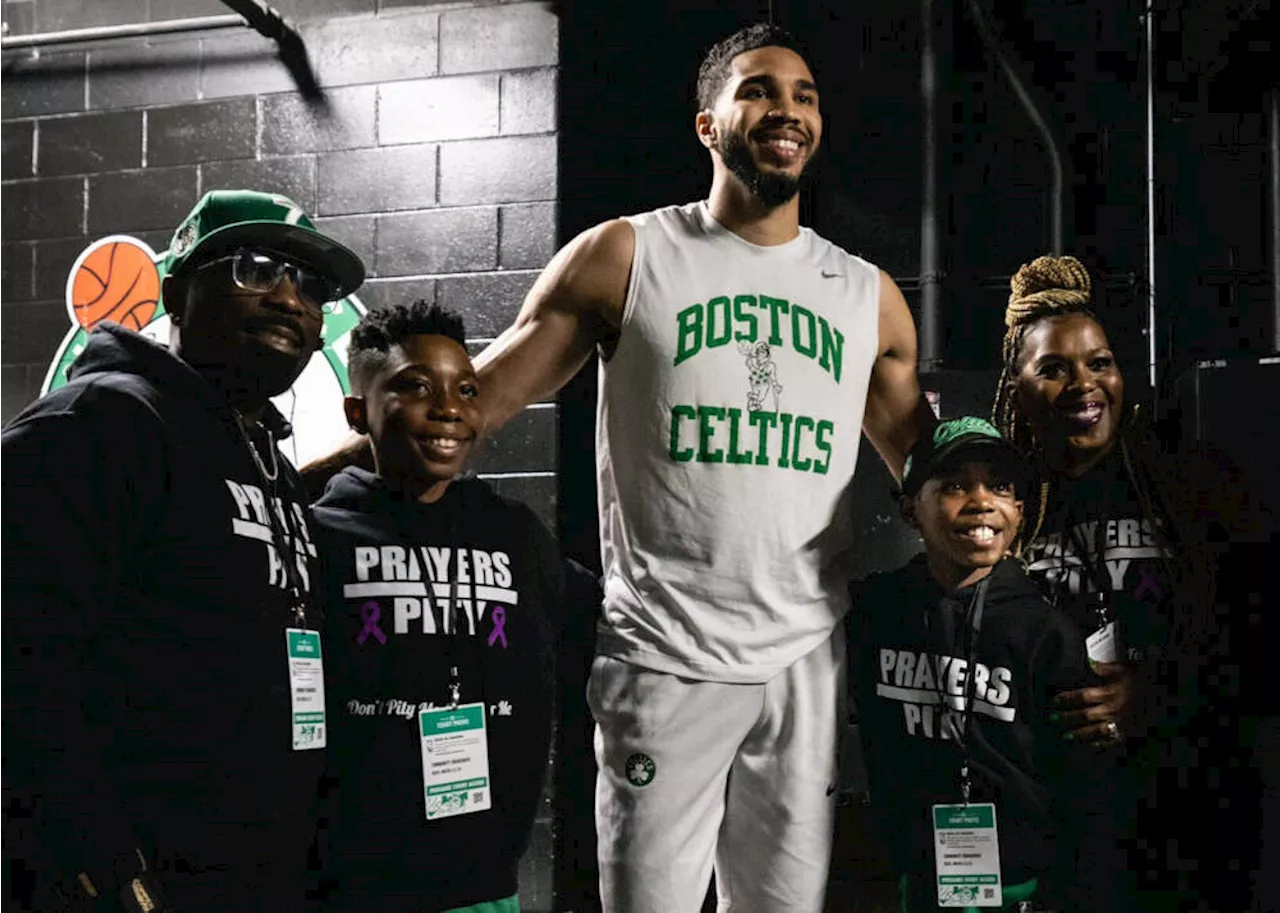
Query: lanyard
406	532
286	551
974	616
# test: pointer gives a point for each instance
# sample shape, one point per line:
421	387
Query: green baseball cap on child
225	220
956	441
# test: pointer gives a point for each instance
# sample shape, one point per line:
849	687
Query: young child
957	658
445	601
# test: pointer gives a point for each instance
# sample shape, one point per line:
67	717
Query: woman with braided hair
1129	542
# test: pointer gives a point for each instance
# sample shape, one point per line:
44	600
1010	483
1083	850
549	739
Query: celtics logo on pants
640	769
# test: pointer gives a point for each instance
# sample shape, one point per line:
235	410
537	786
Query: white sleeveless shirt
727	432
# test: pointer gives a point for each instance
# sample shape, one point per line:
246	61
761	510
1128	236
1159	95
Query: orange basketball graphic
115	281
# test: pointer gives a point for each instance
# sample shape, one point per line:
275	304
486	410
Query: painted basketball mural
118	279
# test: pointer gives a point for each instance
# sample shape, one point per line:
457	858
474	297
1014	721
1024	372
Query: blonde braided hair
1054	286
1048	286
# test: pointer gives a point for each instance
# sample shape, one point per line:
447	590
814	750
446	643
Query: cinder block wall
436	160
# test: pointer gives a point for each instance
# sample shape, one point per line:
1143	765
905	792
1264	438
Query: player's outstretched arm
575	303
897	413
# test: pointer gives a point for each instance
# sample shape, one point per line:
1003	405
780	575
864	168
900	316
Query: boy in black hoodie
958	660
443	600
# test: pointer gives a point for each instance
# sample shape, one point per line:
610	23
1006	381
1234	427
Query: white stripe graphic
441	591
497	594
954	701
389	588
251	530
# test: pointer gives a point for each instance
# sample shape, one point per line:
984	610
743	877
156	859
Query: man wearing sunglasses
163	690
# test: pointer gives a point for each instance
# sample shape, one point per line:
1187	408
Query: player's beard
772	188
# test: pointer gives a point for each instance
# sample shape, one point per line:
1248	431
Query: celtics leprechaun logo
118	279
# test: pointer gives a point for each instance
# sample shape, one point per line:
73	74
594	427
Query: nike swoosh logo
831	789
827	275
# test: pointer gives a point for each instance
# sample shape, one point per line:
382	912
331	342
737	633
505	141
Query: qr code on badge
988	893
477	797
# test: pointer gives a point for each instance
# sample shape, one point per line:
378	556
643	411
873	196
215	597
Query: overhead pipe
930	358
1052	145
291	48
1149	23
112	32
253	14
1273	153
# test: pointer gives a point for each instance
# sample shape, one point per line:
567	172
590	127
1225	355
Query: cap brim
310	248
980	448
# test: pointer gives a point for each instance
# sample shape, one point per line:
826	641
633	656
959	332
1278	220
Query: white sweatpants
694	772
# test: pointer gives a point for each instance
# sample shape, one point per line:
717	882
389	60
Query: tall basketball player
743	355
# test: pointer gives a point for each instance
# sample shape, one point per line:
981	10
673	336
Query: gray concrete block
381	293
61	15
130	201
19	17
241	63
89	143
17	140
33	332
507	170
357	232
50	208
439	241
141	73
528	102
489	301
52	266
17	272
294	176
360	51
164	10
345	121
506	37
425	110
376	180
53	83
189	134
310	10
527	235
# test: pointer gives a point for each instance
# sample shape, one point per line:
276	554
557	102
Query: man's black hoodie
146	691
911	640
392	566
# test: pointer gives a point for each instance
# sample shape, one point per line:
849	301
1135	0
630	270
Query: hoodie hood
359	490
1007	583
113	349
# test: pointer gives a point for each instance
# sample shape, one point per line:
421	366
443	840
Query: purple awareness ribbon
1148	581
499	626
370	612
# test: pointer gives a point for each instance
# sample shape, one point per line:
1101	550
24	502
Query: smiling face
765	126
1070	391
420	413
251	345
968	517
